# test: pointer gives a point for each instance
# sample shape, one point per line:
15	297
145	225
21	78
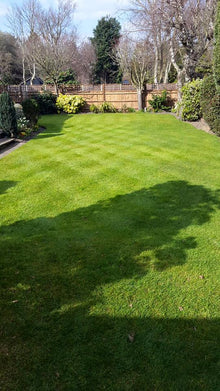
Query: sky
87	13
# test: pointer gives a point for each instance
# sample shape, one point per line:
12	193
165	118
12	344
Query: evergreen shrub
31	110
8	121
210	103
190	104
46	103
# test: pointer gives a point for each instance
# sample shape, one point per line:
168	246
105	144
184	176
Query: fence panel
117	94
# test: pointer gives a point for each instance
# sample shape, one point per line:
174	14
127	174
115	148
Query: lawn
109	248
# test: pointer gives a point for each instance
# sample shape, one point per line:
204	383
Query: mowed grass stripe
110	227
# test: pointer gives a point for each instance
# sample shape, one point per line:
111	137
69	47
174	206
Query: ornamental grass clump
70	104
8	121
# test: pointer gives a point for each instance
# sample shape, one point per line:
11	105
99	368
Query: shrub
8	121
24	128
130	110
107	107
190	104
159	102
31	110
210	103
94	109
125	109
18	110
46	103
71	104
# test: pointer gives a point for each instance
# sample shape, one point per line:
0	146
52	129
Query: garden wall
117	94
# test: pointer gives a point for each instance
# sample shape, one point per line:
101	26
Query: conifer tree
106	36
8	121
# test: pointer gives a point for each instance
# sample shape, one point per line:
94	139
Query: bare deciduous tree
190	25
180	29
135	59
54	47
23	22
145	16
84	62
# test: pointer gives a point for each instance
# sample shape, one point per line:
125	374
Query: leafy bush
31	110
46	103
71	104
159	102
190	105
125	109
210	103
8	121
94	109
107	107
18	110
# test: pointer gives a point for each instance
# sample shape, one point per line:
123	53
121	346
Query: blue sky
88	12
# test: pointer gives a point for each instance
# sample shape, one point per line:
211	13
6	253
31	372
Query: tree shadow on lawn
62	263
50	129
5	185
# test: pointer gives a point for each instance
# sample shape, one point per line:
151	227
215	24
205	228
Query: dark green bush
46	103
8	121
31	110
190	105
107	107
210	103
159	102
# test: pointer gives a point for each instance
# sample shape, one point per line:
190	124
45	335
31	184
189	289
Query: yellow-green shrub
70	104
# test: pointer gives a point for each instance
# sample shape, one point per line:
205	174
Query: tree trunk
139	94
23	71
156	65
167	70
33	74
56	87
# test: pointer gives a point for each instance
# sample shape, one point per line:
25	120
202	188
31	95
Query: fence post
103	91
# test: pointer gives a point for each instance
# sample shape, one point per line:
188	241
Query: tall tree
135	60
10	69
105	38
23	20
217	49
186	26
145	17
84	62
55	47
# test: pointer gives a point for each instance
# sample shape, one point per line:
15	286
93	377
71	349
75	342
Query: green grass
107	223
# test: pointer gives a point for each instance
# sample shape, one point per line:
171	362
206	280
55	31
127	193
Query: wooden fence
117	94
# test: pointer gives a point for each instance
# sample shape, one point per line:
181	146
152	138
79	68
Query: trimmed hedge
210	103
190	105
